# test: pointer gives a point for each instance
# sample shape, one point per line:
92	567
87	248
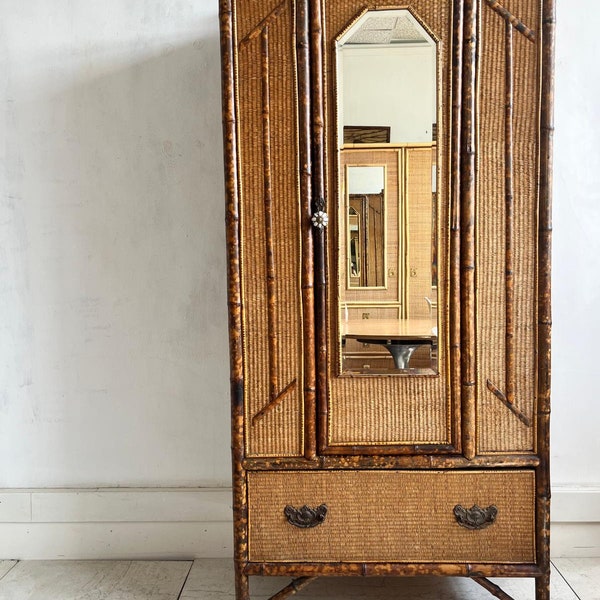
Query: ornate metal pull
305	517
475	517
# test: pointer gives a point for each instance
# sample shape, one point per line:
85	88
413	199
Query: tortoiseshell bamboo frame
462	298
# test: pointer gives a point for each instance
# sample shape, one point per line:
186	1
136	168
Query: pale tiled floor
213	580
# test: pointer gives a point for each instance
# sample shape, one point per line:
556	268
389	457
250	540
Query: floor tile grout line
185	580
7	572
565	580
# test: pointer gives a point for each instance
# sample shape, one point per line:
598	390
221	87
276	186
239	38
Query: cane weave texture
266	58
397	516
498	428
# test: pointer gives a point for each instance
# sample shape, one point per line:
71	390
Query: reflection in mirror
354	259
388	249
366	226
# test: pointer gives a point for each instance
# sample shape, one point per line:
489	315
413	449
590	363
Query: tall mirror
387	130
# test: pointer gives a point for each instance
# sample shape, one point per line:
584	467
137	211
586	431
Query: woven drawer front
392	516
355	347
373	312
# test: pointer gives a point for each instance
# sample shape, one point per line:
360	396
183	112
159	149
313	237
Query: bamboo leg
542	587
242	583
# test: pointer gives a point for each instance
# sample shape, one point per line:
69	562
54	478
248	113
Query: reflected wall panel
418	231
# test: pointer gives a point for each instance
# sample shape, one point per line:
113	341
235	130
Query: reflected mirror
366	226
387	111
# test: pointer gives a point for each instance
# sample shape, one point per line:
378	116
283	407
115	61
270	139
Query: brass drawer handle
475	517
305	517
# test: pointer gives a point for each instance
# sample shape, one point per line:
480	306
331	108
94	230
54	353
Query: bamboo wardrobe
394	423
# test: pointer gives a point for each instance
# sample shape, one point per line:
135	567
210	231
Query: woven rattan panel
267	106
392	516
390	410
499	430
251	17
418	230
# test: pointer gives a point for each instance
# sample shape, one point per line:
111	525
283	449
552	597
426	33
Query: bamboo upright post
308	300
509	226
544	298
455	202
268	216
319	202
468	165
232	216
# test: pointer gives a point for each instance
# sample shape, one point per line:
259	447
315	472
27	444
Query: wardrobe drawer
355	347
392	516
373	312
368	362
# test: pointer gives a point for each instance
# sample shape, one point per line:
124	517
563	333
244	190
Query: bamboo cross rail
512	20
293	588
492	588
258	30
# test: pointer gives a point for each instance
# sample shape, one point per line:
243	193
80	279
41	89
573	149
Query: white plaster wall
576	249
113	352
365	180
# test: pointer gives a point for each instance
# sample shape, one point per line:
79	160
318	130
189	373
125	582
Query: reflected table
400	337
